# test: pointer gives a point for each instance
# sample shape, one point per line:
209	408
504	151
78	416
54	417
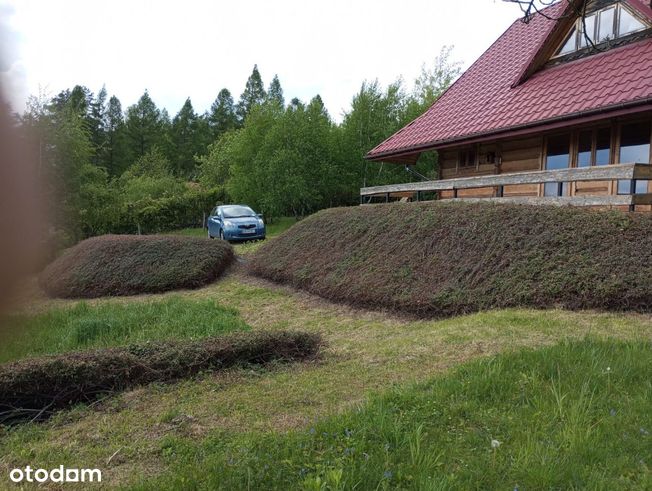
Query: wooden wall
511	156
528	154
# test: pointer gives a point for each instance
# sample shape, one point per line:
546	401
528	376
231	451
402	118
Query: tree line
106	169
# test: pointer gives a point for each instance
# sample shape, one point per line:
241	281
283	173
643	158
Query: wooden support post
418	196
387	198
632	191
501	191
454	192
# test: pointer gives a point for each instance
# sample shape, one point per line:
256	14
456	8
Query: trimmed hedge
40	386
131	264
441	259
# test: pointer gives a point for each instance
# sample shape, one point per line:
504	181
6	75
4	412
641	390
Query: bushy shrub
442	259
42	385
132	264
187	207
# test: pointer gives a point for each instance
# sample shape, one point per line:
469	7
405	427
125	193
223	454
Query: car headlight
261	223
228	224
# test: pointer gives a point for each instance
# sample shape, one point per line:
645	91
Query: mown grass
573	416
85	326
366	354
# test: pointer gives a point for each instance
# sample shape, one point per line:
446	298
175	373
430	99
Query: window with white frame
613	22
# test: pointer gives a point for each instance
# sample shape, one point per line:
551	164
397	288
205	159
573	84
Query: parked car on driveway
236	223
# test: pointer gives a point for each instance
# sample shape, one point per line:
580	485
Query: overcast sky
192	48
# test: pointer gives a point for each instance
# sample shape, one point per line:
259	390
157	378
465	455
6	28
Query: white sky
193	48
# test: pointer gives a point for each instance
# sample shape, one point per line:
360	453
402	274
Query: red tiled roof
485	99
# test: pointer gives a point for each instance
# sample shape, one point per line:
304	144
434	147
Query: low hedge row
37	387
442	259
113	265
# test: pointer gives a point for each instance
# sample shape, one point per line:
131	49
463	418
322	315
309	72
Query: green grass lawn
392	402
573	416
117	323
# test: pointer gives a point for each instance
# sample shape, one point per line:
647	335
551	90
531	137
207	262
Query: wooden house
558	110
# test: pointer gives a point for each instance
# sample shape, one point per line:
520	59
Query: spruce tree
143	127
183	137
222	117
114	155
96	119
253	95
275	92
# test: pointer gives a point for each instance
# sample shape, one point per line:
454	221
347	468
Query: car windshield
237	212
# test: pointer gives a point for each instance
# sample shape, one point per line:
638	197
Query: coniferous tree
254	94
295	103
275	92
165	137
115	153
183	137
79	100
97	119
222	116
144	127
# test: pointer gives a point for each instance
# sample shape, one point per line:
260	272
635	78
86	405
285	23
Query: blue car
235	223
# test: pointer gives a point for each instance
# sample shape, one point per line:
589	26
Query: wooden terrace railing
621	172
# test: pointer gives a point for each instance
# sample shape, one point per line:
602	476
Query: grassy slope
117	324
443	259
576	415
367	353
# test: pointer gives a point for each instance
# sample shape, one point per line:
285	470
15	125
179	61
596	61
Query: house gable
585	29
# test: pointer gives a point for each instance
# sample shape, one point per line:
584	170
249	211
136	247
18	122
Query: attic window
610	23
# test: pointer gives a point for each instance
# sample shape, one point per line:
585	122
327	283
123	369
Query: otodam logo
57	475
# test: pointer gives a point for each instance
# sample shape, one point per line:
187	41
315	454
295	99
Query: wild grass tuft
86	326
